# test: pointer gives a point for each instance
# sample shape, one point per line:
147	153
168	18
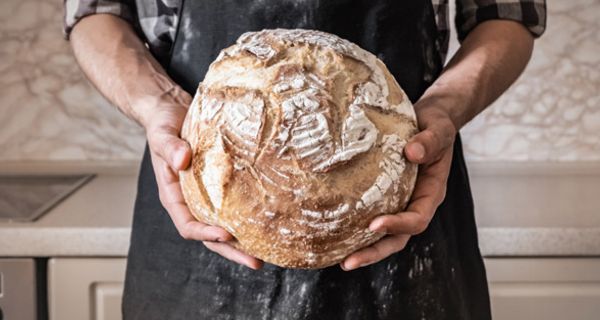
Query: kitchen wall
552	113
50	112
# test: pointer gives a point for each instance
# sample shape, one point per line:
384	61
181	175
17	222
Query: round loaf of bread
297	139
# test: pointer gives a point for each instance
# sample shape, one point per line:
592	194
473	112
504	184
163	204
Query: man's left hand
432	150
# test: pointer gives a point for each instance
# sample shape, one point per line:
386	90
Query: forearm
490	59
119	65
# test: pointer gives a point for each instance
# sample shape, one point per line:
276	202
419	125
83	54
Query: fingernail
253	267
178	157
343	266
364	264
419	151
378	228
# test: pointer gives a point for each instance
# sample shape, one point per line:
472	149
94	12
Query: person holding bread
148	57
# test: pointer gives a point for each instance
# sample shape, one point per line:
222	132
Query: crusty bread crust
297	139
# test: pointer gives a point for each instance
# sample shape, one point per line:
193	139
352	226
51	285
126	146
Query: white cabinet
85	289
18	285
520	288
544	288
107	300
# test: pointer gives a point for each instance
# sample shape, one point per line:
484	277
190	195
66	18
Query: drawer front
544	288
85	289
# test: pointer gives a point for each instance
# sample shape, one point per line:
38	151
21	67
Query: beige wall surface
50	112
552	113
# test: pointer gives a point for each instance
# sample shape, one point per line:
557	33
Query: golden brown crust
297	139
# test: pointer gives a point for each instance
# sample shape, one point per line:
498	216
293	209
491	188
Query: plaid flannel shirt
156	20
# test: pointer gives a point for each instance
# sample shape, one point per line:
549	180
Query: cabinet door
85	288
18	285
544	288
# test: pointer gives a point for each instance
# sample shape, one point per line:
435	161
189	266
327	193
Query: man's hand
488	61
169	155
432	150
123	70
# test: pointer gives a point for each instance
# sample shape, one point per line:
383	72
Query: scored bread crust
297	139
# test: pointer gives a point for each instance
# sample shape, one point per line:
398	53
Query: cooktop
25	198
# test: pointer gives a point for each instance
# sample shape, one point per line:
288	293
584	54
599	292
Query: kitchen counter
96	219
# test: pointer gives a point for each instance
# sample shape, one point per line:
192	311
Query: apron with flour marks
440	273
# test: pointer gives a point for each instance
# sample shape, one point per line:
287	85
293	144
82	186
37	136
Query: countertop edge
57	242
530	242
114	242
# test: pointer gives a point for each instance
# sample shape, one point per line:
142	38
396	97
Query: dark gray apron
439	275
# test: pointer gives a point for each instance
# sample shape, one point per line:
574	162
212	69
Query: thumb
175	151
428	145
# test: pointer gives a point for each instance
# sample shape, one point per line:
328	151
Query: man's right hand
116	61
169	155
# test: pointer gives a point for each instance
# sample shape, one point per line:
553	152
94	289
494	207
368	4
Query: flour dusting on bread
298	137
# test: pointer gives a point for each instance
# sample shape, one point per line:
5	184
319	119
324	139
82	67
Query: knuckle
210	245
158	147
163	200
442	135
432	136
185	233
377	252
165	148
440	187
449	130
204	235
421	224
153	144
163	197
441	196
402	244
432	144
162	142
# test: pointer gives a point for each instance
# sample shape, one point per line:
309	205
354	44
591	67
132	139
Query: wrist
158	113
145	109
163	106
441	108
148	90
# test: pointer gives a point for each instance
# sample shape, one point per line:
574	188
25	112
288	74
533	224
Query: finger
165	142
163	172
415	219
428	145
429	193
172	199
191	229
188	227
375	252
231	253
